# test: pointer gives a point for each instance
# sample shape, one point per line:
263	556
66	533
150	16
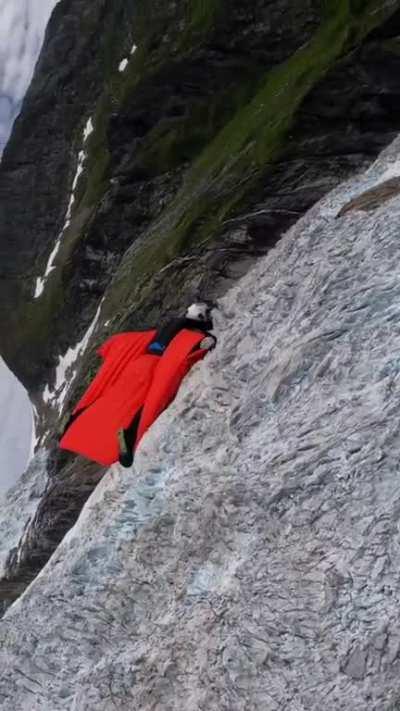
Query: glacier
249	559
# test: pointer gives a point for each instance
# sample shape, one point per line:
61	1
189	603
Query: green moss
255	134
98	156
36	326
155	27
202	13
201	17
173	142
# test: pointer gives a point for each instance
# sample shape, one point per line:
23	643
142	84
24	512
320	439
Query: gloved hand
207	343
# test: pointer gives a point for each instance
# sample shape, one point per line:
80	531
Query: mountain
21	36
250	558
166	151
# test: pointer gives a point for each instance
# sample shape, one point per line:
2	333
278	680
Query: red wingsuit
129	380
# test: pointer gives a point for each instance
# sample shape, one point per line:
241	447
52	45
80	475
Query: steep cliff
162	148
250	559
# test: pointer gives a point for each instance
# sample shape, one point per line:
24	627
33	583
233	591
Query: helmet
199	312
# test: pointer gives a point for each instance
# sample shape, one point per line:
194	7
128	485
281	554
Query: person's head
201	312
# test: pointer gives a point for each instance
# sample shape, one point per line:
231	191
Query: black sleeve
169	330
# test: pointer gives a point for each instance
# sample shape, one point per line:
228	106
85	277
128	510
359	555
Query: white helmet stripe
198	312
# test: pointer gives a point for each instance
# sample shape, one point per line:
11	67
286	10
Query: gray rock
356	663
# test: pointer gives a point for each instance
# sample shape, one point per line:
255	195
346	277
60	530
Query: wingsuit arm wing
104	350
115	351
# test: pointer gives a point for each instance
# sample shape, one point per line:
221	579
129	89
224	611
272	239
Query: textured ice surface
19	504
250	559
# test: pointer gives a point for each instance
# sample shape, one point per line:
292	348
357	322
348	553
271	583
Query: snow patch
124	63
89	128
41	281
65	373
34	438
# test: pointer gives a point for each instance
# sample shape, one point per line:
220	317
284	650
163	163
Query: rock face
36	170
250	560
162	149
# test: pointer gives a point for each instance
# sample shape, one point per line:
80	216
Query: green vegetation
203	12
231	165
201	16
